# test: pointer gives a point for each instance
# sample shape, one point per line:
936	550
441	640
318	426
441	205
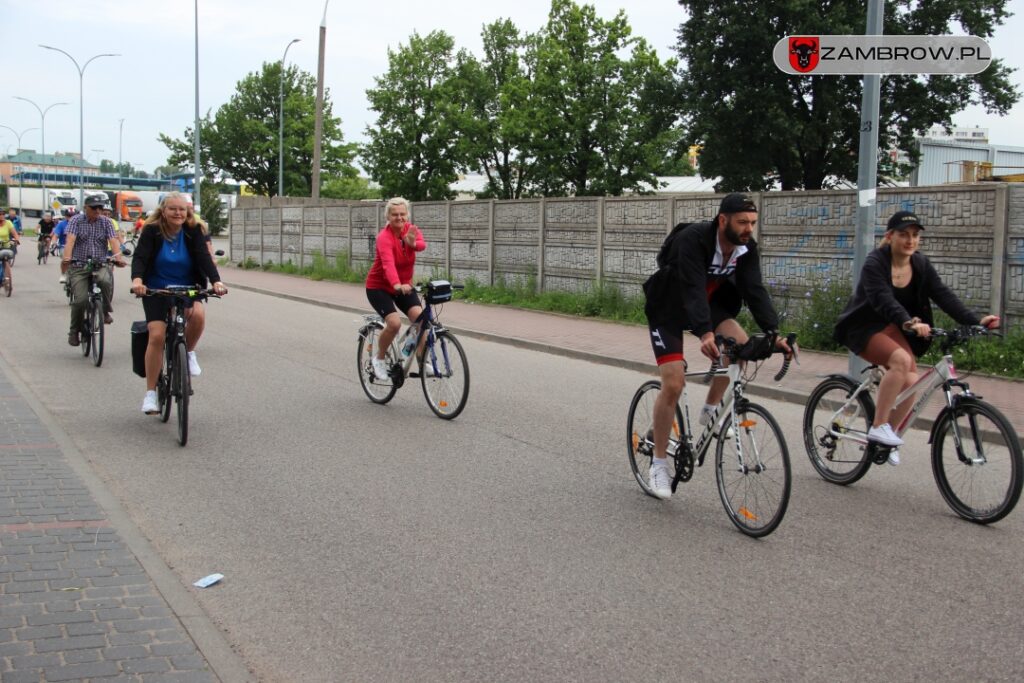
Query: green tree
349	187
758	126
240	141
603	123
211	208
413	149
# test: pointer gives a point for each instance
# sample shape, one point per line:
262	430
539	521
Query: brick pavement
75	601
612	343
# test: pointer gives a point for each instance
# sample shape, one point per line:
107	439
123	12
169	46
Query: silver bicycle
976	454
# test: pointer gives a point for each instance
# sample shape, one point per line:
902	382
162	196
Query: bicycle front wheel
8	282
163	394
752	469
445	376
96	331
828	416
86	330
182	389
981	478
640	434
378	390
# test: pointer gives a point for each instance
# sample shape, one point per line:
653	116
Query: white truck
30	201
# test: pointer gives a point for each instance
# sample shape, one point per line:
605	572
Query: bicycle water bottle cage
439	291
758	347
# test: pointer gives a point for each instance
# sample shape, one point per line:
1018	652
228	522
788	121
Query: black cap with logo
901	220
737	202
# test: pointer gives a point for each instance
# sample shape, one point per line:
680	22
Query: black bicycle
92	329
174	382
44	249
443	369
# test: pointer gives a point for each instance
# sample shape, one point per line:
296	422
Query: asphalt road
362	542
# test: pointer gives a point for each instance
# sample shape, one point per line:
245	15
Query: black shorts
156	307
667	338
386	303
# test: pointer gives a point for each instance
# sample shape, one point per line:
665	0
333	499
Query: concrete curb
210	641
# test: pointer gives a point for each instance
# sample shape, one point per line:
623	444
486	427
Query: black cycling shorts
386	303
156	307
667	338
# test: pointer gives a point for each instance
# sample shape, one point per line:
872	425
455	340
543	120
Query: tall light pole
81	115
280	127
42	133
318	127
197	177
21	177
120	131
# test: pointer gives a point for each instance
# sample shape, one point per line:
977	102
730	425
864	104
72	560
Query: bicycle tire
377	390
182	390
640	434
85	329
8	282
96	330
822	447
995	461
164	394
755	496
447	390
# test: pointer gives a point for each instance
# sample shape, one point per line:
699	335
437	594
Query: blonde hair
191	220
395	201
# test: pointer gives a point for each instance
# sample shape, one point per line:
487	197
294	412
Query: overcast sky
151	85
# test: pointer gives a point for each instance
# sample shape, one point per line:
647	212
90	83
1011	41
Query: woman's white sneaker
150	404
884	435
193	365
380	368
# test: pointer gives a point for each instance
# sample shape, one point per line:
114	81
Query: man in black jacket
709	270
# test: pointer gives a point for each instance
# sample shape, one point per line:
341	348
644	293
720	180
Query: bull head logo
803	53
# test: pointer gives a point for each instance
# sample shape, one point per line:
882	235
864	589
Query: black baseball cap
95	200
737	202
901	220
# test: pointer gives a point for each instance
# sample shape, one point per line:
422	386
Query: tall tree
241	140
603	122
758	126
414	146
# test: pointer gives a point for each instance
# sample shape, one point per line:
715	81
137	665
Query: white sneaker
193	365
894	457
380	368
660	481
884	435
150	405
63	279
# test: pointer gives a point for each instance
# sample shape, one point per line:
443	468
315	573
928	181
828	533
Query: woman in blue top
171	251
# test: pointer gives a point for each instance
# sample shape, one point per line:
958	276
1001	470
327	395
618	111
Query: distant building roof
29	156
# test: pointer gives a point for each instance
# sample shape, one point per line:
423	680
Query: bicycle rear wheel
182	390
640	434
445	375
981	480
96	331
830	412
752	470
377	389
8	282
85	330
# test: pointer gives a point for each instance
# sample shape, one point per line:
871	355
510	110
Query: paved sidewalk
599	341
76	602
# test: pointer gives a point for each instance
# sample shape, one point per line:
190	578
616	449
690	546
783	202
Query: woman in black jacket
172	250
892	300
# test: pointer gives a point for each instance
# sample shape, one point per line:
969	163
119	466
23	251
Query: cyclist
46	227
171	251
8	234
14	220
892	298
88	234
389	282
709	270
61	233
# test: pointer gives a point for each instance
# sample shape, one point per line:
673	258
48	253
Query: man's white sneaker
894	457
63	279
660	481
380	368
150	405
705	416
193	365
884	435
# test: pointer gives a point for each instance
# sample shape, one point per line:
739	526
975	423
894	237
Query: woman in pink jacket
389	282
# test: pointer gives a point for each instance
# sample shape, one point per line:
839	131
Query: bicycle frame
428	325
725	409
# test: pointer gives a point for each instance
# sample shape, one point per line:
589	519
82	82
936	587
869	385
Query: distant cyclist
60	233
47	224
709	270
8	234
89	234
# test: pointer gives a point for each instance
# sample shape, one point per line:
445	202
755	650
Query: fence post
999	246
448	238
540	250
599	248
351	244
261	235
490	241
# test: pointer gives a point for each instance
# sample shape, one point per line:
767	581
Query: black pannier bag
140	340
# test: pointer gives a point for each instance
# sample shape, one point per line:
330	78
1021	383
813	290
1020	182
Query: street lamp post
318	126
21	176
81	115
120	131
197	176
42	133
280	127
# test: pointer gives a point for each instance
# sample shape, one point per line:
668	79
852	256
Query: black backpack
664	257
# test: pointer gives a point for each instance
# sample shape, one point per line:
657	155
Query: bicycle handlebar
728	345
791	342
179	291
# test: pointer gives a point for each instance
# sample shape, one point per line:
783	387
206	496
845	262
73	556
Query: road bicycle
44	250
975	451
174	383
6	261
751	455
92	330
443	369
